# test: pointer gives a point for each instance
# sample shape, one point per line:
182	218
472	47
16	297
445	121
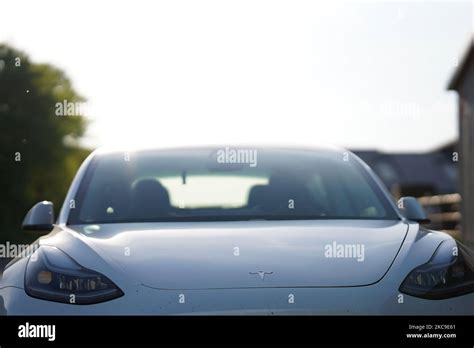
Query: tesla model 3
234	230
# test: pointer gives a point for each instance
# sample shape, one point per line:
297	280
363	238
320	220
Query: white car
235	231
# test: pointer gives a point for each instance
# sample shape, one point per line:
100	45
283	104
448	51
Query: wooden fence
444	211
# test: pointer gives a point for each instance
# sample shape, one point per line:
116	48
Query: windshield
227	184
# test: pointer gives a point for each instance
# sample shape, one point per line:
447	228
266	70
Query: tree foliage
37	160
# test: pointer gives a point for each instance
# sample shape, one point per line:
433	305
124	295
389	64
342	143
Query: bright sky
354	74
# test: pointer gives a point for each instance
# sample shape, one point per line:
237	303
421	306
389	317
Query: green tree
37	160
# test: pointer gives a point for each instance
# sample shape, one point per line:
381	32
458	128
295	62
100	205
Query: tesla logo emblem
261	274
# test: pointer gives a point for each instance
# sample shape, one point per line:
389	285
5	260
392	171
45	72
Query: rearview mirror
39	218
412	210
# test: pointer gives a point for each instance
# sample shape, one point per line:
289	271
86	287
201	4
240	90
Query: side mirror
39	218
412	210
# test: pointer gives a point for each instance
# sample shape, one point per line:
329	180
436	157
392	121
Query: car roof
328	149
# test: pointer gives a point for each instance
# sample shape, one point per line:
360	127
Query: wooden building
463	83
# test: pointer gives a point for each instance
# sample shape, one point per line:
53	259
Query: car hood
247	254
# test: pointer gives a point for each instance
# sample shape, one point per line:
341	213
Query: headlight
449	273
53	275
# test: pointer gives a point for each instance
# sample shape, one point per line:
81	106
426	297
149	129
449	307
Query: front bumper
367	300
